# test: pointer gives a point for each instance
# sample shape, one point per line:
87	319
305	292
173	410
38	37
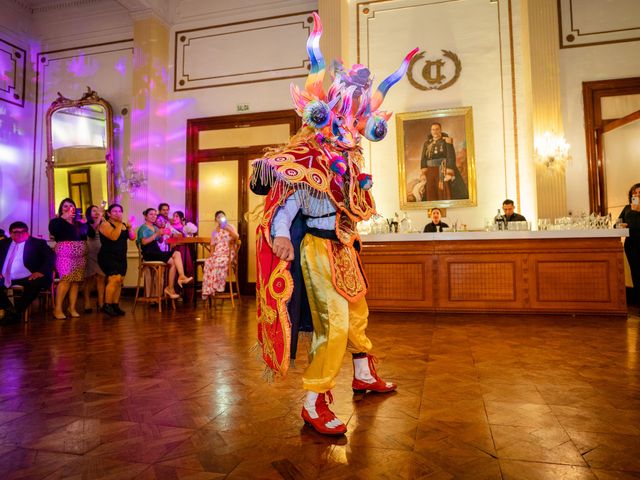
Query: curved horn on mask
316	74
390	81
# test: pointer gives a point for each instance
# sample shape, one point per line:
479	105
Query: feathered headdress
348	109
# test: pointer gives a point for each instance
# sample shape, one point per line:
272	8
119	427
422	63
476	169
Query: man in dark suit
24	261
510	212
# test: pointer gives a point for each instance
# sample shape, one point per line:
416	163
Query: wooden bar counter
569	271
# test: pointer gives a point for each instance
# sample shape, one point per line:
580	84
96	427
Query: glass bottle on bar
405	223
500	221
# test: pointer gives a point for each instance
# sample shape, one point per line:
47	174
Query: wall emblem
438	74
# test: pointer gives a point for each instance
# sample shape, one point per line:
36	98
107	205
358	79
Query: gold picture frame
440	172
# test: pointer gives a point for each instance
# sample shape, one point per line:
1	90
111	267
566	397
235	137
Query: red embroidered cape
303	164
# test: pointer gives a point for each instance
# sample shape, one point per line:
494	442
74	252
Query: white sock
361	368
310	407
310	404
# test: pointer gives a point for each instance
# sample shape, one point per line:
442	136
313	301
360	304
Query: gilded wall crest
435	74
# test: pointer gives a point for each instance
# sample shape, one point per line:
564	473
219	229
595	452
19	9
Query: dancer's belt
322	233
326	215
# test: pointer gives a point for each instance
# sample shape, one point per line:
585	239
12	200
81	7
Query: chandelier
551	150
131	180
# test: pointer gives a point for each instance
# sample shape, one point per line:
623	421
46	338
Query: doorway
219	155
80	187
612	129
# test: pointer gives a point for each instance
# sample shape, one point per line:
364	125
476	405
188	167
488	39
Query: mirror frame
90	97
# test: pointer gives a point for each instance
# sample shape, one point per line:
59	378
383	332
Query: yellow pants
338	324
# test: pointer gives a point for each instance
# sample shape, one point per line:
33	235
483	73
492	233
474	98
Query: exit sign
242	107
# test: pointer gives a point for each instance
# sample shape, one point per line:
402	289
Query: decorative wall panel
243	52
12	73
588	22
480	33
108	69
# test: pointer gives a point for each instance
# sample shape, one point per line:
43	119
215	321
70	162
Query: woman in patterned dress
216	267
70	235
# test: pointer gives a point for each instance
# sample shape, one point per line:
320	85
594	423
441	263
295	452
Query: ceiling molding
43	7
144	9
23	5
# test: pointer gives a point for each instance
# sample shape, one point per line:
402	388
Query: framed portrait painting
436	161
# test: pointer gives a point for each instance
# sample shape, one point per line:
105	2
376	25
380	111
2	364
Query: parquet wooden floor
179	396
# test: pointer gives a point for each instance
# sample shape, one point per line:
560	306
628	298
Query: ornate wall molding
501	16
13	67
41	7
242	52
584	22
77	66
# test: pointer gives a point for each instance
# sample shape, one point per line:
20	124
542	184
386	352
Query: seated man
25	261
509	212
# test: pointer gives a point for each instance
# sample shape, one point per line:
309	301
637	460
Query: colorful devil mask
349	109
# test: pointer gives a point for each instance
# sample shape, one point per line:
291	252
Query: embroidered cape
305	164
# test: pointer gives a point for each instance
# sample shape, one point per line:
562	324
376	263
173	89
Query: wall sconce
551	150
131	180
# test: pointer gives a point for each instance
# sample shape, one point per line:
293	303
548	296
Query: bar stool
156	271
200	261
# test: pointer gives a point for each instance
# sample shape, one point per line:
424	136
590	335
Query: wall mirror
80	151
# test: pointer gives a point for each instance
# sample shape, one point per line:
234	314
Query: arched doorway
219	154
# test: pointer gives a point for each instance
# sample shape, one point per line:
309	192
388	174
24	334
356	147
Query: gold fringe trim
268	375
256	350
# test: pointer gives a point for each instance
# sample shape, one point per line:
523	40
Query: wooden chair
155	271
232	277
45	299
17	291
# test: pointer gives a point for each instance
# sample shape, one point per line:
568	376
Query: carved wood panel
389	279
573	281
472	281
534	275
479	281
577	282
392	277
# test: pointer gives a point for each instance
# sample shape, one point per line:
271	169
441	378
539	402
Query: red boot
376	385
325	422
